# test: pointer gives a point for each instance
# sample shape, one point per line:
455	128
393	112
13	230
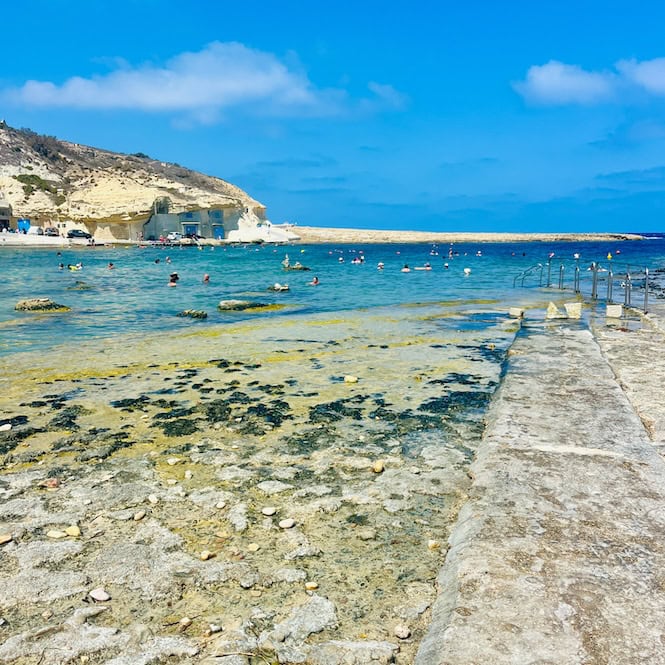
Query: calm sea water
134	297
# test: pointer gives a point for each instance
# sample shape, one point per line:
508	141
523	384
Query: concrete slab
559	555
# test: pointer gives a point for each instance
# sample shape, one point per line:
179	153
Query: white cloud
201	85
387	95
649	75
556	83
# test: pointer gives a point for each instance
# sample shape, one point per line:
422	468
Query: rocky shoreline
314	235
285	501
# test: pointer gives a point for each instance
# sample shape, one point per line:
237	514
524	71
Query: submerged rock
239	305
40	305
193	314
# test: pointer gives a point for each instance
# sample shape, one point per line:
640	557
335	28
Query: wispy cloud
203	86
556	83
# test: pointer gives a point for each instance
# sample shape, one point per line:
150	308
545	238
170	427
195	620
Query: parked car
77	233
50	231
174	236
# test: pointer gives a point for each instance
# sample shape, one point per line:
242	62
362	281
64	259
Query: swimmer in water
314	282
206	278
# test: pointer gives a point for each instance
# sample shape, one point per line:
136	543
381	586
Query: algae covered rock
40	305
238	305
193	314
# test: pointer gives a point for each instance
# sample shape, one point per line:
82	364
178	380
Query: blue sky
443	116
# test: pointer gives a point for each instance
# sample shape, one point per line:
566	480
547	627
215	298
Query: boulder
193	314
40	305
238	305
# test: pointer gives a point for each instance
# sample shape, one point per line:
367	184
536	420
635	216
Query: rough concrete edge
467	525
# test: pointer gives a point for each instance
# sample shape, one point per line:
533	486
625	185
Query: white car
174	236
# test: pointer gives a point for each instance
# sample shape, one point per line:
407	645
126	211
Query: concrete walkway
559	555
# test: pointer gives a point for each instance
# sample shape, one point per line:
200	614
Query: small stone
172	461
215	628
402	632
310	586
171	481
350	379
288	523
6	538
253	547
221	504
255	593
269	510
188	474
5	427
73	531
46	615
206	554
433	544
378	466
221	534
99	595
185	622
51	483
138	516
54	533
153	498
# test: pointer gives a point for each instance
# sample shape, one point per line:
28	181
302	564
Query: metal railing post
549	272
576	283
561	269
646	289
610	279
594	281
626	300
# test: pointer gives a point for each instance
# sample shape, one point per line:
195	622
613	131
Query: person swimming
406	268
314	282
173	279
206	278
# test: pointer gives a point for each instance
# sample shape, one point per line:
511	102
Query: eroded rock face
40	305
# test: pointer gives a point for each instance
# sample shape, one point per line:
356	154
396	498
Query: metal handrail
598	274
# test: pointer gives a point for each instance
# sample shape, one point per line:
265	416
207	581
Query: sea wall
558	555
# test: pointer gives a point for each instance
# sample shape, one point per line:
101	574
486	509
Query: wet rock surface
255	492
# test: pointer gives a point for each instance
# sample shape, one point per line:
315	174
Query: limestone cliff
47	179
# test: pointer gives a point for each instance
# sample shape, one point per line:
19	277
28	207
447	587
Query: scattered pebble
6	538
221	504
253	547
185	622
402	632
206	554
138	516
51	483
378	466
215	628
269	510
46	615
153	498
255	593
172	461
350	379
188	474
288	523
54	533
310	586
221	534
5	427
73	531
433	544
171	481
99	595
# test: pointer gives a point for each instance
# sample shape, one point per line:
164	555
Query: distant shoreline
320	235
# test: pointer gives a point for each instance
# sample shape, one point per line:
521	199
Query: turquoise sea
134	298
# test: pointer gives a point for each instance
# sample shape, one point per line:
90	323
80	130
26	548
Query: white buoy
467	271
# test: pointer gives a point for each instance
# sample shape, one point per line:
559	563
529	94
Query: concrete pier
559	555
